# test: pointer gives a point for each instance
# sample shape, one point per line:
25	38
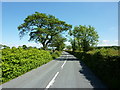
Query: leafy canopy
58	42
85	36
42	27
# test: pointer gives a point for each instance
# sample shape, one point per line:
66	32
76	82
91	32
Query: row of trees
48	30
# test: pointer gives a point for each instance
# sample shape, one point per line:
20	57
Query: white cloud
103	43
108	43
33	44
67	43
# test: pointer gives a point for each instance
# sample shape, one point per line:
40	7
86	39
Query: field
17	61
104	63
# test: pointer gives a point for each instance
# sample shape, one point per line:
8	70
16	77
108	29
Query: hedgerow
105	63
17	61
55	54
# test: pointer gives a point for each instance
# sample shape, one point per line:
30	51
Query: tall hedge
105	63
17	61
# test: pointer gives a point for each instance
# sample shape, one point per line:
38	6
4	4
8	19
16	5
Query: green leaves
58	42
17	61
84	36
104	63
42	27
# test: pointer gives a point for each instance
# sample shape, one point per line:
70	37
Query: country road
64	72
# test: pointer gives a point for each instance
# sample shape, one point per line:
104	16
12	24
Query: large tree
58	42
42	28
73	43
69	47
85	36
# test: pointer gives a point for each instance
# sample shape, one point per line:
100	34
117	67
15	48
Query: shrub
55	54
105	63
17	61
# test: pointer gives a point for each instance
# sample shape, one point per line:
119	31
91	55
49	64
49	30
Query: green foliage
84	37
55	54
108	47
74	44
3	46
42	27
17	61
24	47
69	47
105	52
58	42
105	63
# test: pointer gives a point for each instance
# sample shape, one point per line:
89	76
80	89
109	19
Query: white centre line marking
63	64
52	81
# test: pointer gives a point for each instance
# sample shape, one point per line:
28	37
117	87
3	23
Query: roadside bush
105	63
55	54
17	61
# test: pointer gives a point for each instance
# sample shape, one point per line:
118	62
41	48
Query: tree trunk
44	46
74	45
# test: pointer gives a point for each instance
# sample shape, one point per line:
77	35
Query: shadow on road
84	70
94	81
67	58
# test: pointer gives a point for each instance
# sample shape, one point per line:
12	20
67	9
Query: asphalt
64	72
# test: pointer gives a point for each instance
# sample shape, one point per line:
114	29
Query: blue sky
101	15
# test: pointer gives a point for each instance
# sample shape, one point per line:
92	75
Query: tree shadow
68	58
85	71
94	81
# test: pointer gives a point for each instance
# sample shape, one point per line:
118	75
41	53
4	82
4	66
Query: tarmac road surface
64	72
